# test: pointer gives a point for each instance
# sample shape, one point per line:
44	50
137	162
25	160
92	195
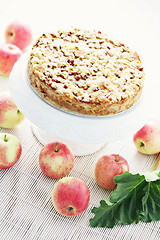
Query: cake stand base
78	149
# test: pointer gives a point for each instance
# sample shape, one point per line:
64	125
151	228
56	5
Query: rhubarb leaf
151	202
134	199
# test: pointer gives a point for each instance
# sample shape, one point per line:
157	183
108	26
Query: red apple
107	167
9	54
56	160
18	34
70	196
147	139
10	150
10	116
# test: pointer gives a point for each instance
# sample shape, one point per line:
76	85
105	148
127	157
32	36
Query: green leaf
134	199
151	202
126	183
102	214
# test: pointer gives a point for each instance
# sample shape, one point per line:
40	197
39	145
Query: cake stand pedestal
78	149
84	134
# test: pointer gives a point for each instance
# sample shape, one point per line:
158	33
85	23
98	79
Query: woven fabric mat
26	210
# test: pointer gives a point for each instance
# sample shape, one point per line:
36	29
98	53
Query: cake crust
85	72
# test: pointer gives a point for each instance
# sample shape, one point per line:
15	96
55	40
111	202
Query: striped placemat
26	210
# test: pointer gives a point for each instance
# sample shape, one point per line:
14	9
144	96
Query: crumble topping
87	66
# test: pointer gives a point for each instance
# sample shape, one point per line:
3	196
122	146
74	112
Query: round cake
85	72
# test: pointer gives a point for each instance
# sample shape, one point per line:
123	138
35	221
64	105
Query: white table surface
26	211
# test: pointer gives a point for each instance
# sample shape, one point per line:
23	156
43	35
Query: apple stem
117	158
56	148
156	163
5	138
141	144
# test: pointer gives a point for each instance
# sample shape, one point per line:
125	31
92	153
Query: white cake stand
83	134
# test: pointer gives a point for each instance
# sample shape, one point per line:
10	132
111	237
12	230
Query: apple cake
85	72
